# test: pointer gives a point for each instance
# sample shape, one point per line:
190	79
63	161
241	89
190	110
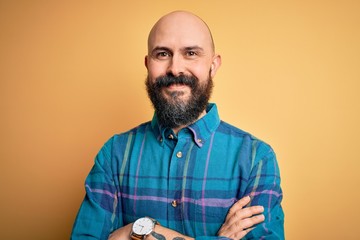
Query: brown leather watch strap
135	236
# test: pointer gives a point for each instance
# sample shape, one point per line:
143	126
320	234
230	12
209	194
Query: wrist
142	228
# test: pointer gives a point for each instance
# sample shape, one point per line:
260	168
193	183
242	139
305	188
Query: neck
177	129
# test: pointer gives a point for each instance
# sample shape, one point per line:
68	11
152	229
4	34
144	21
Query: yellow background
72	75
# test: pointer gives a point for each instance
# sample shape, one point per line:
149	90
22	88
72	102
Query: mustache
169	79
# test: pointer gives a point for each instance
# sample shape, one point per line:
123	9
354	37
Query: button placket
181	148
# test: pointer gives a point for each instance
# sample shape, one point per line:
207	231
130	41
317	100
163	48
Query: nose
176	66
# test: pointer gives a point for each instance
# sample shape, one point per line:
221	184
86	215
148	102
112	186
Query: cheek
201	72
156	69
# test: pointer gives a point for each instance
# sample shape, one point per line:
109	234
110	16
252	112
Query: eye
162	55
191	53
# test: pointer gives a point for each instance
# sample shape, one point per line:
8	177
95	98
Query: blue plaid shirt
187	181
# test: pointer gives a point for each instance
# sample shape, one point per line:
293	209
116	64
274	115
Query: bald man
185	174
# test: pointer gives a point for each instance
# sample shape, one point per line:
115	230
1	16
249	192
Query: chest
185	187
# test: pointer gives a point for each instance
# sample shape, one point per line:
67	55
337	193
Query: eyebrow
159	48
193	48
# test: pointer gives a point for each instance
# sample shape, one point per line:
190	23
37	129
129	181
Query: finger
251	222
237	206
241	214
240	226
246	223
242	234
240	203
244	213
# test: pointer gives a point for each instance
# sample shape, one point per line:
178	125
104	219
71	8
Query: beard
173	111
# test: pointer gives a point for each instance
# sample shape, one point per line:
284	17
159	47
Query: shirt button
174	203
171	136
199	140
179	154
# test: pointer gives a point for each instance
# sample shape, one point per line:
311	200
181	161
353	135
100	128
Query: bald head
181	26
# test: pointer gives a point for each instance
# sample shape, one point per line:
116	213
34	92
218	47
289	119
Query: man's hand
121	233
240	219
160	233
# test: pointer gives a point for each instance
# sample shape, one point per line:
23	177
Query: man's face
180	45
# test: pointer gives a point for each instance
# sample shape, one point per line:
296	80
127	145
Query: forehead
180	31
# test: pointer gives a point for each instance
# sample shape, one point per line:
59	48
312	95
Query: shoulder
142	128
227	128
117	144
120	138
248	140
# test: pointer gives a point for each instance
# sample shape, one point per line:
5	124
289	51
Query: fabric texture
187	181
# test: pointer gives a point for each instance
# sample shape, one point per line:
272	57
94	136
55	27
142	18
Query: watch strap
134	236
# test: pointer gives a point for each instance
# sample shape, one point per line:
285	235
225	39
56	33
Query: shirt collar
201	130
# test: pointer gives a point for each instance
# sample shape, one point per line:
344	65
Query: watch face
143	226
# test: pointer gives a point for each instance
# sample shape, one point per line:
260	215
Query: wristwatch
142	227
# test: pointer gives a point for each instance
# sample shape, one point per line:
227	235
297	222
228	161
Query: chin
177	95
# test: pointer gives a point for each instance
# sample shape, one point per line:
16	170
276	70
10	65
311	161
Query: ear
216	63
145	62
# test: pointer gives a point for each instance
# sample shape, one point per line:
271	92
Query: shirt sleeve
264	189
262	184
98	215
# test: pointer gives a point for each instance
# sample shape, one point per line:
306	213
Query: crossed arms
239	221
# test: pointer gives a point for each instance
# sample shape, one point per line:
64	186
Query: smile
177	87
